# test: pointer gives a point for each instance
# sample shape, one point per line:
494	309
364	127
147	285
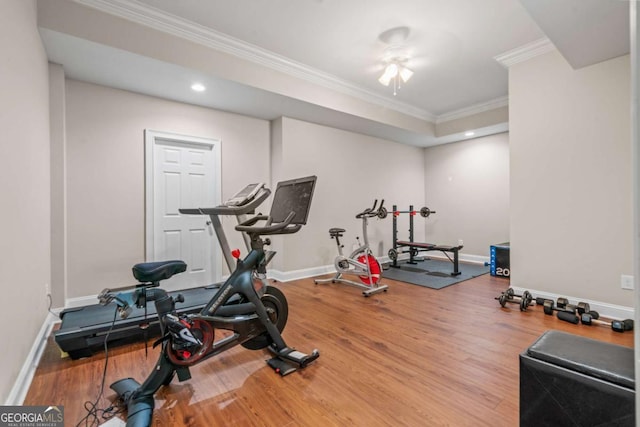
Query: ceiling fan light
405	74
390	72
385	79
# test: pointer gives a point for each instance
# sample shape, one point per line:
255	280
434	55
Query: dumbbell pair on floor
510	296
582	313
562	305
578	313
588	319
526	300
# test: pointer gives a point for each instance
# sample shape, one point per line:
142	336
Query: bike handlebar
372	212
278	228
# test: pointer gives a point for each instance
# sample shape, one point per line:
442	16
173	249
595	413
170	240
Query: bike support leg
139	398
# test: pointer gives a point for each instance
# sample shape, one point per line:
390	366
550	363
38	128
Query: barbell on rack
424	212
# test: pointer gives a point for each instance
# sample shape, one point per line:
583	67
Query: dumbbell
616	325
509	296
583	307
568	316
568	313
549	308
563	305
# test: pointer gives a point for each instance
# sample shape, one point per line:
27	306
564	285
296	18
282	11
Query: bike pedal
280	366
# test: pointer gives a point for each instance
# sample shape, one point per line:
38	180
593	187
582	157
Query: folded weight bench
569	380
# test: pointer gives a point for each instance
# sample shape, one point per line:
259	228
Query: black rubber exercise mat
433	273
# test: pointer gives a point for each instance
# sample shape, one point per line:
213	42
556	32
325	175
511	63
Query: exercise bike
361	262
254	312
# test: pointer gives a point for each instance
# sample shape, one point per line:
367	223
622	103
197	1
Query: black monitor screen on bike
293	196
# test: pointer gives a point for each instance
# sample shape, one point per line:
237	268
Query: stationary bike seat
155	271
333	232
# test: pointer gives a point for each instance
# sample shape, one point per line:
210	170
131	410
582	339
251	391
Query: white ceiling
452	47
451	43
585	31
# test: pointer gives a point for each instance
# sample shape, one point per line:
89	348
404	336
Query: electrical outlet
47	289
460	242
626	282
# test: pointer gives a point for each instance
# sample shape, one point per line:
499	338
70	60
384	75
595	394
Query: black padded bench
569	380
416	247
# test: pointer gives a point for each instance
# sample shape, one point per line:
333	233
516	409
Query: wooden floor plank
411	356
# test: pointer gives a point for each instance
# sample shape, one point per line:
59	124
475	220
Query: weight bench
415	248
569	380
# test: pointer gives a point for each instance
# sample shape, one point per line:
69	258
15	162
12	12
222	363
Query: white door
182	172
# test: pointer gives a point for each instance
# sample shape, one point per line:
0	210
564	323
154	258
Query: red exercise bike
361	262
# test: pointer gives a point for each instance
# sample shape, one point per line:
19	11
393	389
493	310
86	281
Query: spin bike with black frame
255	313
361	262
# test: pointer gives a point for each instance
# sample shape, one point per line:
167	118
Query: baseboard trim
286	276
605	309
327	269
472	259
23	382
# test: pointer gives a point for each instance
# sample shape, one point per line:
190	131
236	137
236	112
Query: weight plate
583	307
425	212
548	307
502	300
393	254
525	300
510	293
523	305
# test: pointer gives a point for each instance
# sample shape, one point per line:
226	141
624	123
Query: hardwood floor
409	357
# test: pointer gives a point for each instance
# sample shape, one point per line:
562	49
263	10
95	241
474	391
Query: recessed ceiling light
470	133
198	87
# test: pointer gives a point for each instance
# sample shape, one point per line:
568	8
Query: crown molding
474	109
156	19
524	53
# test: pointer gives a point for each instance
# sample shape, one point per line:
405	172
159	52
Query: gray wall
24	186
105	207
467	184
352	171
105	174
105	182
571	193
58	149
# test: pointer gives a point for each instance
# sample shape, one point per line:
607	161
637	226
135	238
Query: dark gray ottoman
569	380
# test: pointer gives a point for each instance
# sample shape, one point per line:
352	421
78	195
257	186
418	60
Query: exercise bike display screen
293	196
